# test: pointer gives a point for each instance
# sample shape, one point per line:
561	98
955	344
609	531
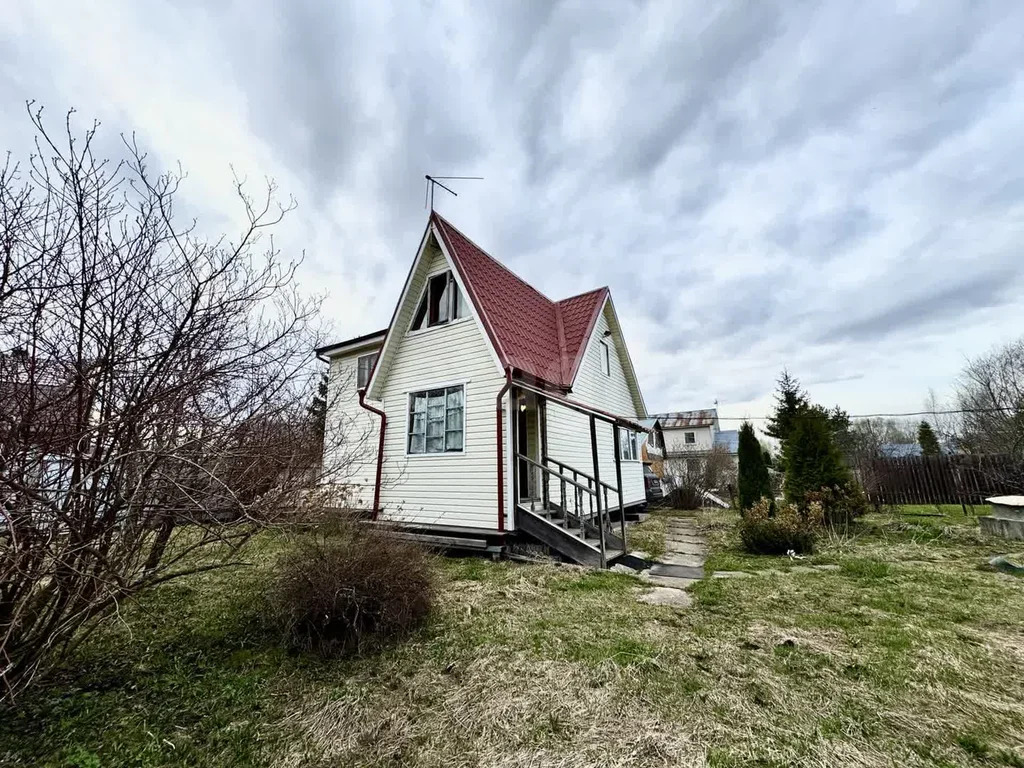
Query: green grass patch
908	654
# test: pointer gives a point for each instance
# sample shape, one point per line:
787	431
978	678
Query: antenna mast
434	181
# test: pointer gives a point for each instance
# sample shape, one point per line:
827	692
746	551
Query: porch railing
582	499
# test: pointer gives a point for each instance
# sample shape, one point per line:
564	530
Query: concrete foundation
1007	518
997	526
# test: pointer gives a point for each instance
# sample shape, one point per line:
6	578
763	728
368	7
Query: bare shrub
769	529
694	475
352	590
150	378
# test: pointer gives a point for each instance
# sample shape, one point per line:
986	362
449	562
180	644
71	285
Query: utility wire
870	415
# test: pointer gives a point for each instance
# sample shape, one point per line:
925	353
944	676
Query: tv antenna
435	181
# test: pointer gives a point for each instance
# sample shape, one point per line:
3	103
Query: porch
574	509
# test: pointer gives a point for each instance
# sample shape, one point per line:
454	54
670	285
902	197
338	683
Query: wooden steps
562	533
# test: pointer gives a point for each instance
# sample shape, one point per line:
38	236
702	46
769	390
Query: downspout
499	412
380	450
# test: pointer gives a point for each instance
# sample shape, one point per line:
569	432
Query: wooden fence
965	480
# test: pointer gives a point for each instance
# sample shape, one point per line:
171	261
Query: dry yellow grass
876	664
910	653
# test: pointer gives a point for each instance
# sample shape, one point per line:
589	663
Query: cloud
837	189
972	294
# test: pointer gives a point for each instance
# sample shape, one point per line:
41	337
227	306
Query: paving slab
684	539
676	598
677	571
668	581
681	558
731	575
687	547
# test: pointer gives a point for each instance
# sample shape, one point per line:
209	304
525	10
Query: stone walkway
680	566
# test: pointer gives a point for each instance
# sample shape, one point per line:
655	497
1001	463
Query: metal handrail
563	465
591	488
550	471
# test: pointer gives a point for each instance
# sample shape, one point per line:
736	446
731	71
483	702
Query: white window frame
689	438
408	421
606	359
369	370
629	448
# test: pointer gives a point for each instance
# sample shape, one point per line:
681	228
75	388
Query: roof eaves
440	225
563	354
356	341
595	314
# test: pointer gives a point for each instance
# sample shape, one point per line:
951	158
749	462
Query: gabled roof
679	419
539	337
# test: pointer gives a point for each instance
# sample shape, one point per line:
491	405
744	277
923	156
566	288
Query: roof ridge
585	293
446	223
563	353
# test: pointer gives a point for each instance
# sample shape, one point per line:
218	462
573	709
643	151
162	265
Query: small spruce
753	480
927	440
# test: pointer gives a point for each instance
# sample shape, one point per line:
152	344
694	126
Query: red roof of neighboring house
531	333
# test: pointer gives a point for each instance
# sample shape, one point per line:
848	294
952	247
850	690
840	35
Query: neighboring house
652	446
486	411
690	437
912	450
690	433
899	450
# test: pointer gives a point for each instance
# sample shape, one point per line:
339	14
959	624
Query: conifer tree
927	440
753	480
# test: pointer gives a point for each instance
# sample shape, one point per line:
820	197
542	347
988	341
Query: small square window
690	438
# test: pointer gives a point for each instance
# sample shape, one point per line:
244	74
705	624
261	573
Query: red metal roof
530	333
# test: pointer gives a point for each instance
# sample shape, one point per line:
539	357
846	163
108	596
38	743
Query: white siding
675	440
454	489
569	431
351	435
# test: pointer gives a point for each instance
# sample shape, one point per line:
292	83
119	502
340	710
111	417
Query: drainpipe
380	449
501	449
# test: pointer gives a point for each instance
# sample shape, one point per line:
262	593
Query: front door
523	438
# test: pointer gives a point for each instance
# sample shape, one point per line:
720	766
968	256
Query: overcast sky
835	190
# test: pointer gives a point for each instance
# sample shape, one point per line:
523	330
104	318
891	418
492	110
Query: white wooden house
486	412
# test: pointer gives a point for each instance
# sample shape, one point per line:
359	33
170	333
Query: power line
875	415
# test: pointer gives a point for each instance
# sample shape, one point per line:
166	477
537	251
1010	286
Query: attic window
442	302
606	360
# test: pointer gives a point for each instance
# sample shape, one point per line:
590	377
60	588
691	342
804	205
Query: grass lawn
911	653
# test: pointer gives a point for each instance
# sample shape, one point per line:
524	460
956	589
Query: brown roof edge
598	307
350	342
563	355
442	225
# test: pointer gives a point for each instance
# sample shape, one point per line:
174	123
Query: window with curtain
436	420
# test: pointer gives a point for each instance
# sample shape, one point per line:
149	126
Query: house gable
432	258
618	391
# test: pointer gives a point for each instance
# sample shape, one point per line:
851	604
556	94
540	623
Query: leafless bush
352	590
149	378
692	476
990	401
